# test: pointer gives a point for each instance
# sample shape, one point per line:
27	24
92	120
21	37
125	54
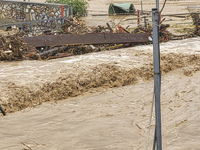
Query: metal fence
37	26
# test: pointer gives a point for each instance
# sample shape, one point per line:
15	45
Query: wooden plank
93	38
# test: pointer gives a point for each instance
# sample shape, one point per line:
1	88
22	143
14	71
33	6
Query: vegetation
185	30
79	6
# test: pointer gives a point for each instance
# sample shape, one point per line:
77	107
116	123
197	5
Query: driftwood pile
77	27
65	51
13	48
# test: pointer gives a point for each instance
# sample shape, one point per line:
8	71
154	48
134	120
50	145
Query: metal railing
46	24
193	9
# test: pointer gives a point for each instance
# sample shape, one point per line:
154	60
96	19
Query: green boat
121	8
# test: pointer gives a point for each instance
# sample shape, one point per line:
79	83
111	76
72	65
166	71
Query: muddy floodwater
102	101
26	83
78	102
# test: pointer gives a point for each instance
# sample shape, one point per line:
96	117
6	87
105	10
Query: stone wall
30	11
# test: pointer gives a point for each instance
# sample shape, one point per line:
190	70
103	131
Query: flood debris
195	14
79	39
74	38
56	52
196	22
2	111
13	48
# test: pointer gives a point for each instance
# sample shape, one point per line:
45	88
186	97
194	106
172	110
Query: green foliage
79	6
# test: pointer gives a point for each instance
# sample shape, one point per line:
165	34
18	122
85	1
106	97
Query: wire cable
148	134
163	6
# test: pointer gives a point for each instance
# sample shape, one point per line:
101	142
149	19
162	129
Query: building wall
30	11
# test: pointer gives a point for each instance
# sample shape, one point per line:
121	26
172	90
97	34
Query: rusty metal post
145	22
138	17
159	17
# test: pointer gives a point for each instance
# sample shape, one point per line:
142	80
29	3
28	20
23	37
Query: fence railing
38	25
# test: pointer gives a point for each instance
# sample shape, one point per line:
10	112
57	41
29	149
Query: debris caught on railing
13	48
74	38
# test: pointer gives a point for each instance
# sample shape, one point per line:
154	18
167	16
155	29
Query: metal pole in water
2	111
157	78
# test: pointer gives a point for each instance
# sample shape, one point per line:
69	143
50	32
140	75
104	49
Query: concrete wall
30	11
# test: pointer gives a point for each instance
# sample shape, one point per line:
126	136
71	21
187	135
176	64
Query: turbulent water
102	118
113	117
27	83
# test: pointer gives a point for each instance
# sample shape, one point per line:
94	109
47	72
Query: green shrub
79	6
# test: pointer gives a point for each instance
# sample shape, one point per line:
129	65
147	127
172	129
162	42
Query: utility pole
141	8
157	4
157	76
